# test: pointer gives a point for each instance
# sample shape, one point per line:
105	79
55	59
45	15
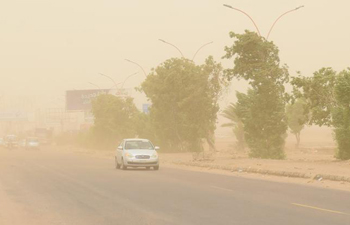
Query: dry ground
314	156
308	160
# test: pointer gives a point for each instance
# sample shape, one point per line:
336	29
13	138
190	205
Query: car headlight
128	155
154	156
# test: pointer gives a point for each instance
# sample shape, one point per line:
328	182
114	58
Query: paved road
43	187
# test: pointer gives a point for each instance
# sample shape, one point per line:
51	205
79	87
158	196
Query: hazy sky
48	46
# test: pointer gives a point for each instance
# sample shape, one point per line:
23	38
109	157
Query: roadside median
317	169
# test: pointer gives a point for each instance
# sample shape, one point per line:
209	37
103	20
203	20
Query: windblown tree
262	109
115	119
184	100
236	125
318	91
341	115
328	98
297	118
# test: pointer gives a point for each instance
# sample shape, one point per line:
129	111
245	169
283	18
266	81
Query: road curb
264	171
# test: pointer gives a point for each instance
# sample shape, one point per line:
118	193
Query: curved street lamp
173	46
128	78
200	49
267	37
94	85
239	10
280	18
180	50
144	72
115	84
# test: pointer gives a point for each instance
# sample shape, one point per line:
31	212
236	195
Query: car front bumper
141	162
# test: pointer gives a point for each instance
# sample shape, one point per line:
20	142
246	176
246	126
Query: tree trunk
211	141
297	136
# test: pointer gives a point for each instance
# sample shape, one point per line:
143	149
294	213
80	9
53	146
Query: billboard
81	99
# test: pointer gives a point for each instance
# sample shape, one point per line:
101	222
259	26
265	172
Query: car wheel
117	166
156	167
122	166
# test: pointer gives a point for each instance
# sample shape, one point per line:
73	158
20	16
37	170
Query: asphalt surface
46	187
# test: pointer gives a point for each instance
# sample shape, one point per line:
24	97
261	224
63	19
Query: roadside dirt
310	163
314	157
327	184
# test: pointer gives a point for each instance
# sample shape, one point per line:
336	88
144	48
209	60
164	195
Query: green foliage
341	115
297	118
328	98
184	100
264	123
236	125
256	60
115	119
318	91
262	109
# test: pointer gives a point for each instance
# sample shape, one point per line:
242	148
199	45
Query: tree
341	115
115	119
318	91
184	100
236	125
262	109
328	98
297	118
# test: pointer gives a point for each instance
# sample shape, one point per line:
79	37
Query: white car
136	153
32	143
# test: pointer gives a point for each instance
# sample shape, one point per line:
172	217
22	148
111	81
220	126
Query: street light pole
173	46
128	78
115	84
144	72
95	85
280	18
200	49
257	29
268	35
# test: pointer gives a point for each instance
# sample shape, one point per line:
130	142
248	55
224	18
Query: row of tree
184	108
185	97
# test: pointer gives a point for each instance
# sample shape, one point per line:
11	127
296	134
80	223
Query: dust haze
49	47
82	81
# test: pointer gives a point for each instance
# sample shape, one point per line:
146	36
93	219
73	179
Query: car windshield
139	145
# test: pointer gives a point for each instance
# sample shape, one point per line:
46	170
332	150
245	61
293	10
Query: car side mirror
156	148
120	147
